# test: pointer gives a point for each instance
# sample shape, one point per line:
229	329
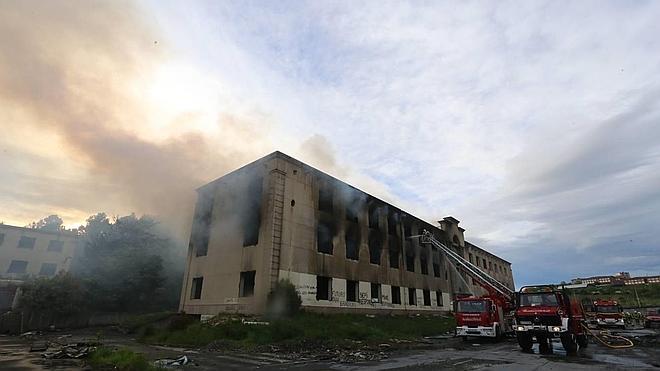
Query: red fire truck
608	313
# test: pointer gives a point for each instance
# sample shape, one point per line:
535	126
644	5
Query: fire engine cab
608	313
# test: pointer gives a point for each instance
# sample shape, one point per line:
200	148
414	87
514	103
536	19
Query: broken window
392	223
373	215
246	284
438	298
323	288
325	198
375	293
324	233
17	266
427	297
410	257
412	296
375	246
352	207
196	289
394	252
407	229
396	295
424	262
352	290
201	228
55	246
48	269
436	270
352	241
26	242
252	212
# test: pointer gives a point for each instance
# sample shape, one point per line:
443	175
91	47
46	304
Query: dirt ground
439	353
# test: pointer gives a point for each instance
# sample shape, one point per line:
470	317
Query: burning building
343	249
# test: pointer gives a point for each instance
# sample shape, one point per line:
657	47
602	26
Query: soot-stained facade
343	249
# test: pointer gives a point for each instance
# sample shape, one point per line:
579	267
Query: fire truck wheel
582	341
525	341
569	343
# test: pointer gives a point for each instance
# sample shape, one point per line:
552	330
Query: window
352	208
55	246
477	261
412	296
325	198
396	295
427	297
352	241
196	289
436	270
438	298
324	233
394	252
26	242
407	229
490	266
392	223
2	238
17	266
470	255
246	284
252	212
323	288
201	229
424	262
48	269
352	290
410	257
484	263
373	215
375	246
375	293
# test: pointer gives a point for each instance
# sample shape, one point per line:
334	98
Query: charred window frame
394	251
376	296
252	212
196	288
323	288
396	295
407	229
325	198
436	264
246	284
375	246
352	238
352	207
412	296
201	228
424	262
438	298
410	257
392	223
374	214
325	230
427	297
352	291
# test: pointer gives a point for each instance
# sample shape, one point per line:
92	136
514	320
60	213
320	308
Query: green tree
51	223
60	295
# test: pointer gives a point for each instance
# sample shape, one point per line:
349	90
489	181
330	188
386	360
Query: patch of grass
648	294
135	322
327	328
106	358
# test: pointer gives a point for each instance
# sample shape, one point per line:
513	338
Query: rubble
172	363
73	351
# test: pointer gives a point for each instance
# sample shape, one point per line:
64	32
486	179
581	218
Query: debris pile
71	351
172	363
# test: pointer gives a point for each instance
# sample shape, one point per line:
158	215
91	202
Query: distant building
621	278
343	249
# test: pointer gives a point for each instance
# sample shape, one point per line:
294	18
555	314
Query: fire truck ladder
484	278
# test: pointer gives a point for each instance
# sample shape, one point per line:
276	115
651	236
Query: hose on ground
604	337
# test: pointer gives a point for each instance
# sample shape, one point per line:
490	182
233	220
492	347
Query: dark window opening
352	208
325	199
246	284
324	233
17	266
485	264
375	246
407	229
196	289
470	257
396	295
55	246
323	288
392	223
352	290
410	257
201	228
252	212
424	262
373	215
427	297
394	252
412	296
490	266
48	269
352	241
446	276
436	270
375	293
26	242
438	298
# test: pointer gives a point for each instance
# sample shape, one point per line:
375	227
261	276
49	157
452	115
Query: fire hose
607	339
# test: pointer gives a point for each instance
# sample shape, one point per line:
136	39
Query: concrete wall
37	255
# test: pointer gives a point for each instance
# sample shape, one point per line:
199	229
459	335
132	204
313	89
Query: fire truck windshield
538	299
471	306
607	309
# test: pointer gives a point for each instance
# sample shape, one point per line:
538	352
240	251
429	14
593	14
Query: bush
119	359
283	300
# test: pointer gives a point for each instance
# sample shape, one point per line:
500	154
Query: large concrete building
343	249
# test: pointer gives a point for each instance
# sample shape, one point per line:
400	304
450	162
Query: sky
536	124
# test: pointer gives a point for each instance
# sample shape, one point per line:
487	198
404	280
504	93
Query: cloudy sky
537	124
